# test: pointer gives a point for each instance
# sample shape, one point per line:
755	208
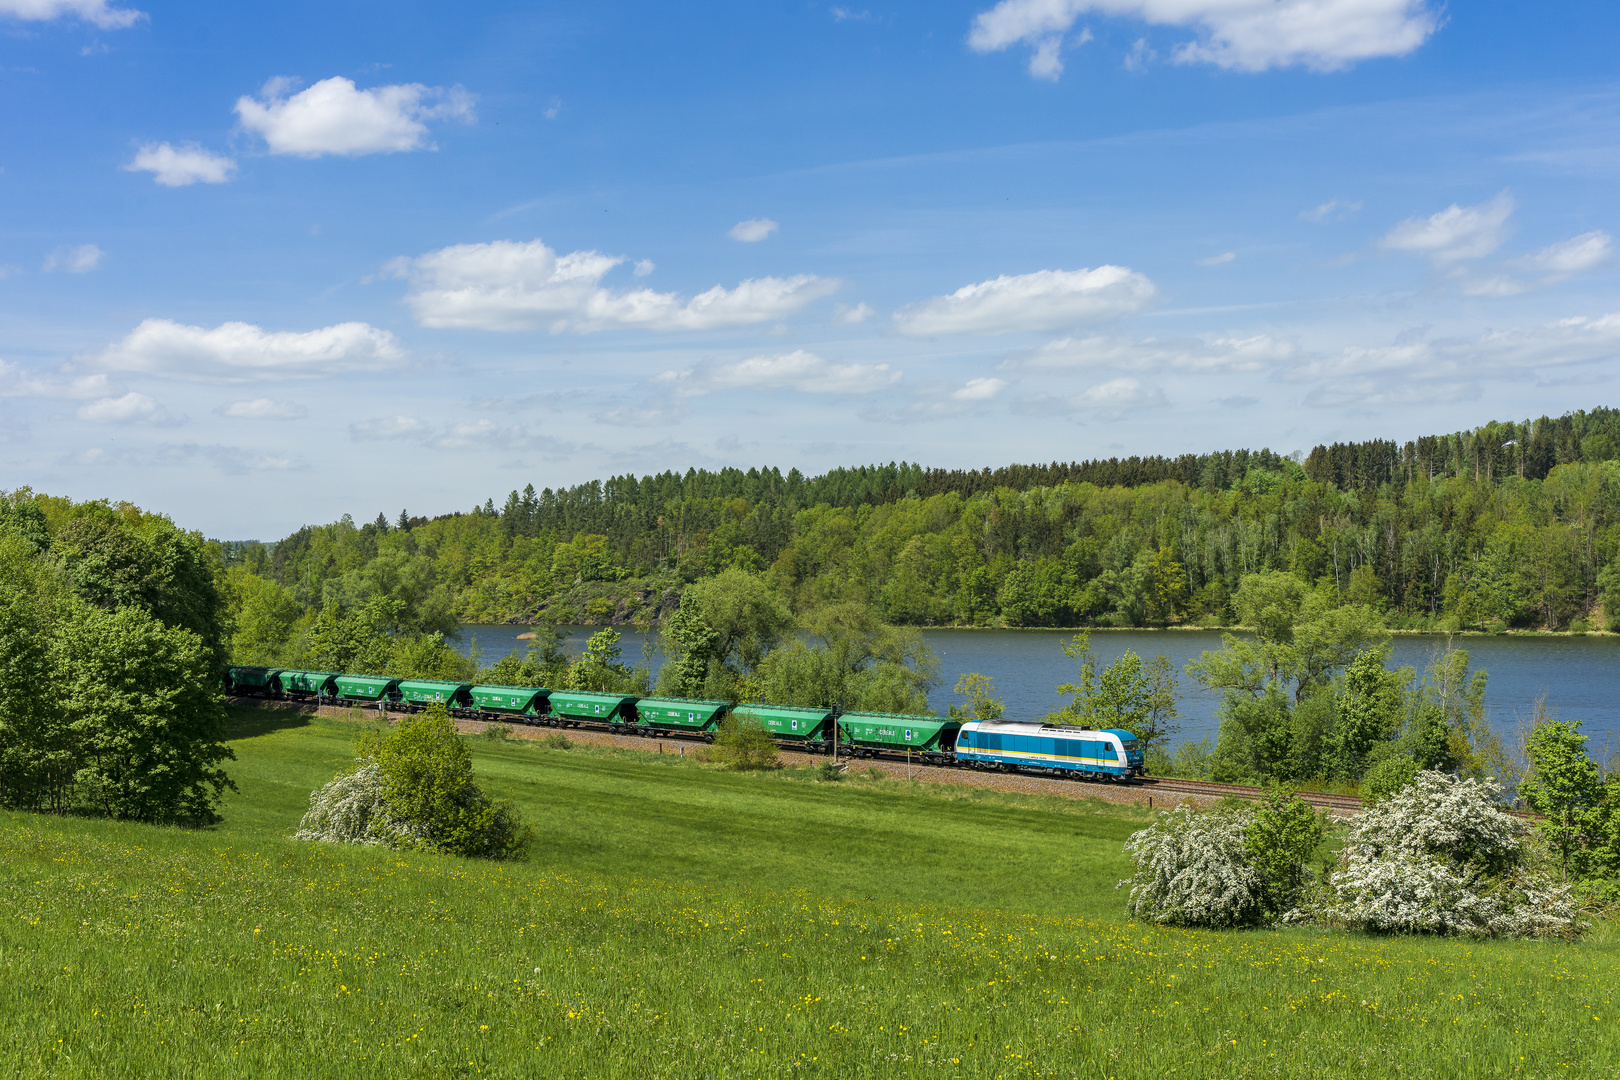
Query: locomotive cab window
1106	750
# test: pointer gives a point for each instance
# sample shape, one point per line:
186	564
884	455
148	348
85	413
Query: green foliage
109	647
744	744
980	705
854	661
1280	841
1368	708
600	668
143	715
692	647
1566	789
557	741
432	800
1387	776
1128	694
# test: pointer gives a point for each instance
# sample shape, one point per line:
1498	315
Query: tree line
1512	525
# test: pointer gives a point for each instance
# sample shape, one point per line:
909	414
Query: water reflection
1580	676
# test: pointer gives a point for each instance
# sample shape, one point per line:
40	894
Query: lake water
1580	676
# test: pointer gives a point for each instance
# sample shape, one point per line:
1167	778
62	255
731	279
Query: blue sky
265	264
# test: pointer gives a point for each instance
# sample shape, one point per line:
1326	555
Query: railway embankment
1153	791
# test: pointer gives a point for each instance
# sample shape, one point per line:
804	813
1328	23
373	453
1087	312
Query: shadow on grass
250	722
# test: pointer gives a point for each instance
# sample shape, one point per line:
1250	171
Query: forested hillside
1507	525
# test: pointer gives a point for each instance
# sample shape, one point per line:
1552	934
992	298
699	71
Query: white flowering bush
414	790
1441	856
1192	868
351	809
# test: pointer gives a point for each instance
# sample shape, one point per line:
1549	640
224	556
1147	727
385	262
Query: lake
1579	675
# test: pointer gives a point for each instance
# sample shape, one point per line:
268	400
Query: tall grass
678	921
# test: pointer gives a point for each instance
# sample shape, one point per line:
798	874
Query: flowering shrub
415	790
350	809
1441	856
1193	869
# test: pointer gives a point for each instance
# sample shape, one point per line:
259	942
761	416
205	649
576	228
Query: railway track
1345	803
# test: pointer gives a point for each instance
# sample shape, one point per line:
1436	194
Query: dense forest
1510	525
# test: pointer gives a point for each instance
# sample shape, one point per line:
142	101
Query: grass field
675	921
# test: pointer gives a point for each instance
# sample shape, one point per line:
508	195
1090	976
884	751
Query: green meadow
673	920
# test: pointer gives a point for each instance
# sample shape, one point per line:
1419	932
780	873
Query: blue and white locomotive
1009	745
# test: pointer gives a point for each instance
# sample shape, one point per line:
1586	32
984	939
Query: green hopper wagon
366	689
246	681
617	711
665	715
931	738
418	694
525	703
812	727
303	684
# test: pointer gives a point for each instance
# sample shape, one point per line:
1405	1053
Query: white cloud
507	285
843	14
1455	233
15	382
1044	300
1257	353
1107	400
178	166
753	230
390	427
264	409
236	351
1241	35
132	408
1332	210
1576	255
74	260
1218	260
850	316
975	390
333	117
644	267
800	371
94	12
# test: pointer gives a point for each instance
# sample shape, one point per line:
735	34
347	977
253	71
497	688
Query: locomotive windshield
1132	744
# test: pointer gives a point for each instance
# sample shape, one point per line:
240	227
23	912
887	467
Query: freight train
997	745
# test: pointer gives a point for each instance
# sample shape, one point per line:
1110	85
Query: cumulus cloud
644	267
73	260
237	351
850	316
1044	300
264	409
178	166
1455	233
800	371
389	427
132	408
979	390
1576	255
508	285
15	382
1240	35
335	117
753	230
95	12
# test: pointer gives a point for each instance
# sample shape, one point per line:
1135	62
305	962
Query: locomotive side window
1106	750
